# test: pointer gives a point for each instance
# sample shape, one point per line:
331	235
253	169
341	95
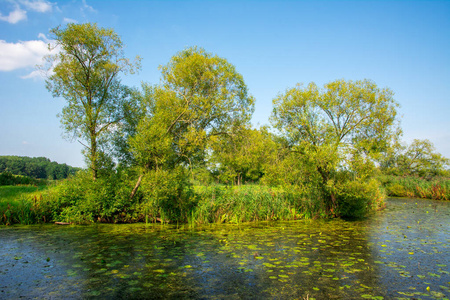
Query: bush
80	199
167	195
356	198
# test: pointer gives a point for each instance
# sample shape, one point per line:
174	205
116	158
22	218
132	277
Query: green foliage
340	127
85	73
35	167
83	200
200	96
344	113
417	159
253	203
221	204
241	156
21	204
356	198
7	178
415	187
167	195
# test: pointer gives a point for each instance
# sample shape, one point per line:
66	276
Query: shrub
356	198
396	190
167	195
80	199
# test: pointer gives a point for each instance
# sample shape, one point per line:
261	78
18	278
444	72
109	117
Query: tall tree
85	72
201	95
326	125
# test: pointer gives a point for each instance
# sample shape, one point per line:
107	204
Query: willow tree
200	96
85	72
341	120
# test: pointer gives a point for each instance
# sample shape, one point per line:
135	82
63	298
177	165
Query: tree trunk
330	203
94	156
138	183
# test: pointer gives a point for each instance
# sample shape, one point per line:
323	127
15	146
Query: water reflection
396	253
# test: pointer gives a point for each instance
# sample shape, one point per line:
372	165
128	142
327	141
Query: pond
402	252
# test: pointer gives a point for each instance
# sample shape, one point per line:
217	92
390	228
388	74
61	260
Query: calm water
402	252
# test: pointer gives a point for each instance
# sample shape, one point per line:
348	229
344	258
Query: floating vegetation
306	259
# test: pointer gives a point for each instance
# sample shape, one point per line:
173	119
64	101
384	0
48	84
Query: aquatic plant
415	187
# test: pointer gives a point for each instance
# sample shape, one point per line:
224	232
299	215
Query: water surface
402	252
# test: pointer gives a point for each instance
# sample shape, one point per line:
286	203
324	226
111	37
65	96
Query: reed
21	205
220	204
415	187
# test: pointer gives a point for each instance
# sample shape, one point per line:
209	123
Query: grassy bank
20	204
207	204
71	201
415	187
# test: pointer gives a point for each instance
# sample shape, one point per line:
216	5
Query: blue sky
403	45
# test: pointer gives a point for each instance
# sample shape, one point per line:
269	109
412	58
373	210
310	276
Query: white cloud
25	55
87	7
41	6
21	6
19	55
15	16
44	38
36	74
69	20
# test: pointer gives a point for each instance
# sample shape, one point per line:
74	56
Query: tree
201	95
417	159
325	126
35	167
242	155
85	72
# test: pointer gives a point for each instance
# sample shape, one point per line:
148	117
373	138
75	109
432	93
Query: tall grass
80	200
414	187
21	205
219	204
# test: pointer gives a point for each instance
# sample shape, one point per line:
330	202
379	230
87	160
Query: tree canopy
242	155
35	167
417	159
342	114
201	95
342	120
85	73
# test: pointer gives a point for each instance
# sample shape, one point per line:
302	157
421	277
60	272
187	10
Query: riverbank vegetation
184	150
416	187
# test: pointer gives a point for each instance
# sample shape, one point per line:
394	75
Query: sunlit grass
414	187
221	204
18	204
12	193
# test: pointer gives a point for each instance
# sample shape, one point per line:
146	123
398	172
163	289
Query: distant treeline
35	167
